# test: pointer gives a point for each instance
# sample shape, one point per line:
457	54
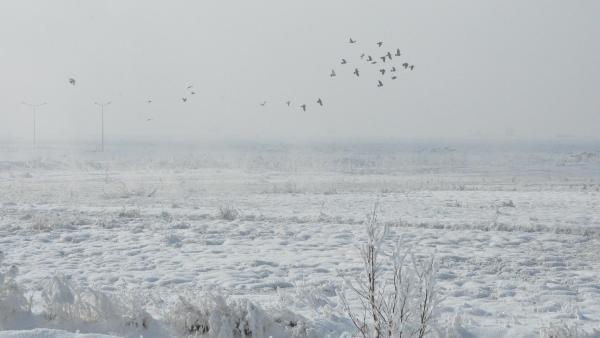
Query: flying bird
148	101
374	62
393	69
398	52
303	106
332	73
288	102
362	56
382	71
412	67
380	43
190	86
72	81
344	61
405	65
184	99
356	72
382	58
193	93
389	55
148	119
352	41
369	58
319	101
394	77
379	83
263	103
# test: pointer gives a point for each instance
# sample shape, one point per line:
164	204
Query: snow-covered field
515	227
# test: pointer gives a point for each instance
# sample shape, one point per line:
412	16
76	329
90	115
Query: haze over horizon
483	69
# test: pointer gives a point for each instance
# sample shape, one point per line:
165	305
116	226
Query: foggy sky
482	68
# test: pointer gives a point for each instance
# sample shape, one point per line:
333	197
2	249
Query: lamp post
101	105
33	108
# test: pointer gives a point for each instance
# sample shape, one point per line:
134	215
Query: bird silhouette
320	102
373	62
356	72
369	58
263	103
382	71
398	52
148	101
380	43
148	119
72	81
394	77
352	41
393	69
362	56
184	99
193	93
190	86
303	106
288	102
332	73
382	58
405	65
412	67
379	83
389	55
344	61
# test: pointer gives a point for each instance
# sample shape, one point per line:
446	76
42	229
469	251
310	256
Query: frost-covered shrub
47	222
173	240
288	187
132	311
43	223
12	297
564	330
452	328
215	317
65	302
129	213
108	222
212	315
228	212
394	303
166	216
315	297
62	300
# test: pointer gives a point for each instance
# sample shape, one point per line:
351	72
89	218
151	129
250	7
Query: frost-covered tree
12	297
398	302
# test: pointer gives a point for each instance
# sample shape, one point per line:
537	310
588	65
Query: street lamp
33	107
101	105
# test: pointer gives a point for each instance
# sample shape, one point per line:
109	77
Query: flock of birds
385	60
184	99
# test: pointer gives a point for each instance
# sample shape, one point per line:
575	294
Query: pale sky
481	68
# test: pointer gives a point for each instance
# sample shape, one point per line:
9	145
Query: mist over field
483	69
299	169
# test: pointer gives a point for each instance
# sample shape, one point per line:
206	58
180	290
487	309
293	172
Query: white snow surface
516	231
49	333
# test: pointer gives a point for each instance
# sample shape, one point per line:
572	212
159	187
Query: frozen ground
516	228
